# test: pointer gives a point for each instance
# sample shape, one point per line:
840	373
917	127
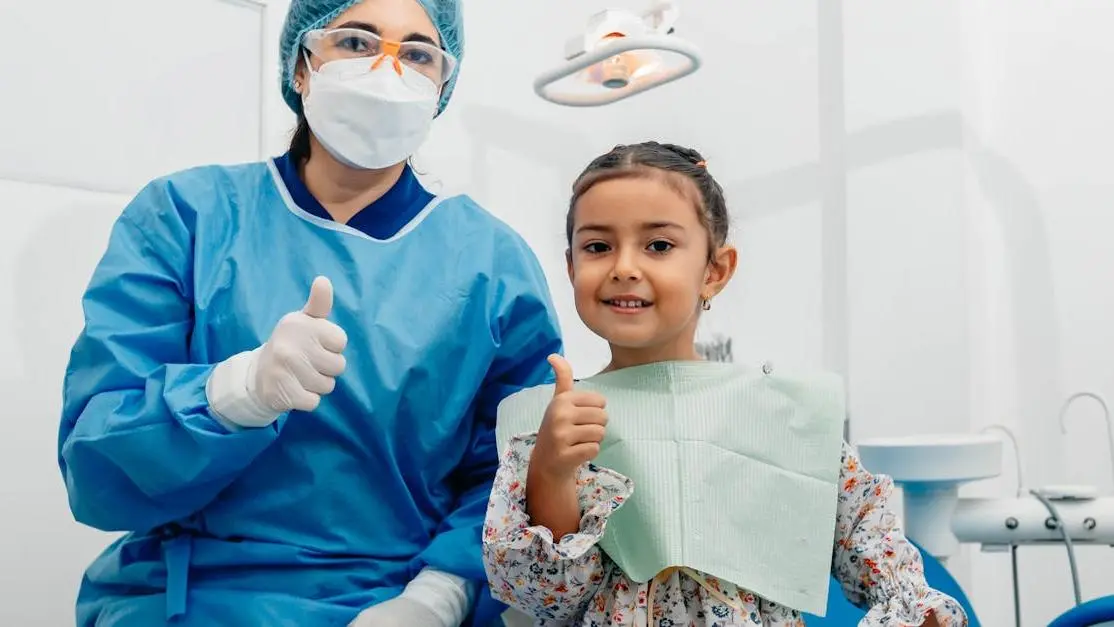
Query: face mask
369	118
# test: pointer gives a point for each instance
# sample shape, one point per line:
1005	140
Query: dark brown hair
682	167
299	142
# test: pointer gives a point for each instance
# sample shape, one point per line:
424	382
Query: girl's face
640	269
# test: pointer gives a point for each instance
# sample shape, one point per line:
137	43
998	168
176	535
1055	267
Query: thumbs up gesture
301	361
572	429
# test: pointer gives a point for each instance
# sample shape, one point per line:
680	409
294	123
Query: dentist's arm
527	331
140	444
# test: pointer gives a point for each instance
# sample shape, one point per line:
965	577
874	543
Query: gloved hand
292	370
399	612
432	599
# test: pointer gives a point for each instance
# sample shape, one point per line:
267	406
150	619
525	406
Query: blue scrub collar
381	219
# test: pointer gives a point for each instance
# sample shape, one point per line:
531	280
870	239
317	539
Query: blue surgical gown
324	513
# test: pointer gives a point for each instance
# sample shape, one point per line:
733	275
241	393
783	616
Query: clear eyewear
354	43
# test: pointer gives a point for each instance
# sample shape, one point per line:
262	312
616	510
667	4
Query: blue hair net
307	15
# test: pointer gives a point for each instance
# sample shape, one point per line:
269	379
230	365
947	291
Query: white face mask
369	119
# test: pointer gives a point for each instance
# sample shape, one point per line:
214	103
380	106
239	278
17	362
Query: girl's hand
570	435
572	430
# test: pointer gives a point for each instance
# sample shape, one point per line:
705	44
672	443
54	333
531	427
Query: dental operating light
620	54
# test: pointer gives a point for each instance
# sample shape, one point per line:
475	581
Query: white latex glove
292	370
399	612
432	599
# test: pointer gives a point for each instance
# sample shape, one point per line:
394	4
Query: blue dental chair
842	614
1093	613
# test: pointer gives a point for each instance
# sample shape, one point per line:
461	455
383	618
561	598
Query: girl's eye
660	246
596	247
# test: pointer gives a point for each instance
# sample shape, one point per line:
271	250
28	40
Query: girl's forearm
553	503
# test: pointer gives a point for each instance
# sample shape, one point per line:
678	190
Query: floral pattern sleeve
877	567
527	569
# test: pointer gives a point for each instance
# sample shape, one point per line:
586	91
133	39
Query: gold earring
298	85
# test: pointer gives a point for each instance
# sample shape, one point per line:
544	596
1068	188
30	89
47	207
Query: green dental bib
735	472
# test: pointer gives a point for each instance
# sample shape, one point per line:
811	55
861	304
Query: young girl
647	230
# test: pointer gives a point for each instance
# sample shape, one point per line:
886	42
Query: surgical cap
307	15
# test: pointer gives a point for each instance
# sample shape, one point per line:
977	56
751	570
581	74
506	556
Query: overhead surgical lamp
619	55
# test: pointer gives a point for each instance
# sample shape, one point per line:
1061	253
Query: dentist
286	386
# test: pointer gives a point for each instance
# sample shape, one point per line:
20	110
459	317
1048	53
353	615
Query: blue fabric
1093	612
306	15
322	514
381	219
841	612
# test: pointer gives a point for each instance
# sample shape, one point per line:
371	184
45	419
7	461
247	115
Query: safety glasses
354	43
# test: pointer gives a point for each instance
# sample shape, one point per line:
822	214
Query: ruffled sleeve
876	565
526	568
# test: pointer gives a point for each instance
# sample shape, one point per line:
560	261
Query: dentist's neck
344	191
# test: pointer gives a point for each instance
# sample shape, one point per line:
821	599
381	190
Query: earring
297	85
706	305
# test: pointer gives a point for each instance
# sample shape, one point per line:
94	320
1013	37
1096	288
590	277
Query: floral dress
574	583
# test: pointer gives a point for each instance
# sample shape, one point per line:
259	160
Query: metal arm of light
607	50
1016	451
1106	414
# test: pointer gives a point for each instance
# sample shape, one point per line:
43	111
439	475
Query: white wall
979	195
1037	146
959	144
